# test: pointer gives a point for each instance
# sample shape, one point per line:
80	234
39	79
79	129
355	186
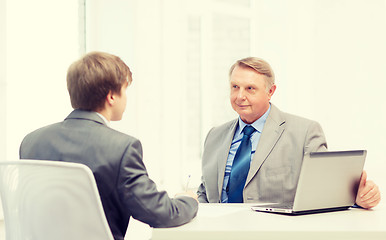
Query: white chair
50	200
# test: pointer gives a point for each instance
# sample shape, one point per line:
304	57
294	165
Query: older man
257	157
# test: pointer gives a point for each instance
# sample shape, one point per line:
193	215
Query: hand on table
368	195
188	194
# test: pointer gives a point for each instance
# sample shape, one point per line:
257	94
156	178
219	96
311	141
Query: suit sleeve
315	140
201	192
142	199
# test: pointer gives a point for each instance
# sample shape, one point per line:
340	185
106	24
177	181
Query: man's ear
110	98
271	91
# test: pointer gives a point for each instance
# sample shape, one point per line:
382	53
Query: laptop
328	181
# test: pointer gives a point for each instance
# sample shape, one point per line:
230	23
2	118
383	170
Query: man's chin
244	112
245	118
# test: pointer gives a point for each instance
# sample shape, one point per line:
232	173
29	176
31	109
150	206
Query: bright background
329	57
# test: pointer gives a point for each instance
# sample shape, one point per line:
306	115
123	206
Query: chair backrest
46	200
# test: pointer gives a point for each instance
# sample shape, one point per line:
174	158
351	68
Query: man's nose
241	94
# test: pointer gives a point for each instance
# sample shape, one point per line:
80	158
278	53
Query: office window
232	37
193	95
180	52
217	36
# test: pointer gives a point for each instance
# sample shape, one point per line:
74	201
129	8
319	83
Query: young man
97	86
276	143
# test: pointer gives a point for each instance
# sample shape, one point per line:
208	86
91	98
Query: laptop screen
329	179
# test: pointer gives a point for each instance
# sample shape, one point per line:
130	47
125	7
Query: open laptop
328	181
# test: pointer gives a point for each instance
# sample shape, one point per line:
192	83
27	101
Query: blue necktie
240	167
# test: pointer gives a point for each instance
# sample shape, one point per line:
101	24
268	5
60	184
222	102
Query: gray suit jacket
275	167
116	161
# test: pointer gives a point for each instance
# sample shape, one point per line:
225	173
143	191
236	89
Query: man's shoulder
279	115
297	118
230	125
219	133
118	134
81	127
296	125
44	130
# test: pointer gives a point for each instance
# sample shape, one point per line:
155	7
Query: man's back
116	161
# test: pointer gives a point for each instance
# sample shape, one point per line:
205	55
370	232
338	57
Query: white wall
36	48
3	92
41	44
3	70
39	39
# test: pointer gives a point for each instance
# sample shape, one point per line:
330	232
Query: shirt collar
258	124
104	119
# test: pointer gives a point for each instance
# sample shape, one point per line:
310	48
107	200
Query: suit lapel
273	129
223	151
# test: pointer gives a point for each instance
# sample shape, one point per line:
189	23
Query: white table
239	222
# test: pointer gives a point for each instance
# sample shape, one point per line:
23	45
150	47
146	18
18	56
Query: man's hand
187	194
368	195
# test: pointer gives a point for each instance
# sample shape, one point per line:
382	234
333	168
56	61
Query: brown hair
260	66
92	77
